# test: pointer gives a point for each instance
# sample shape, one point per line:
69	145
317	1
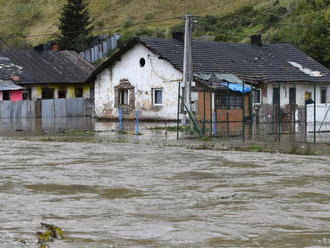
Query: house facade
144	76
137	80
47	74
10	91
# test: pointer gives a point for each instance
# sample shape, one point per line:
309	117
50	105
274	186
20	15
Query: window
6	95
47	93
157	96
123	97
78	92
26	95
323	95
62	93
292	96
276	95
234	101
257	96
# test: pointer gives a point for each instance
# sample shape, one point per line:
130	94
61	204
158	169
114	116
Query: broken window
78	92
6	95
47	93
323	95
157	96
257	96
123	97
62	93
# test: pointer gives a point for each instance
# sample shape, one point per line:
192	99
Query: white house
144	76
138	80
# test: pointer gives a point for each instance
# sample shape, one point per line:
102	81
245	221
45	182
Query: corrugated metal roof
9	85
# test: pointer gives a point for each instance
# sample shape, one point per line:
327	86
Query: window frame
235	100
78	90
60	91
260	97
294	100
322	89
276	98
122	93
7	94
154	96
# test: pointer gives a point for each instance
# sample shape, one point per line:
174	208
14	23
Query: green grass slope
305	23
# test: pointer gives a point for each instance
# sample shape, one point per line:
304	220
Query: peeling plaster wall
301	88
156	73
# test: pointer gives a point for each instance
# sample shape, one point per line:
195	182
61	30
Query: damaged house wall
141	72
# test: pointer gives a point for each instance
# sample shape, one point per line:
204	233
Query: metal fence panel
48	109
60	107
6	109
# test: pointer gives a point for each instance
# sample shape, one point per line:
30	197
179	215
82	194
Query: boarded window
6	95
157	96
123	97
292	96
78	92
47	93
62	93
323	95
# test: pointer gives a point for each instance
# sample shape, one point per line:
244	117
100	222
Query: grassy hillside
303	22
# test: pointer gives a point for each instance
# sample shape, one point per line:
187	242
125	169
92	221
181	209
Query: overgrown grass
305	22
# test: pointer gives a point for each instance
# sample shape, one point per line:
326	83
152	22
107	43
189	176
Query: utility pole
187	62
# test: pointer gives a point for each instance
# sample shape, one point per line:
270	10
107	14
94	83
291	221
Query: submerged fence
264	122
76	107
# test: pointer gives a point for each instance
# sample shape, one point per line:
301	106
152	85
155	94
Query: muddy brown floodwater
140	195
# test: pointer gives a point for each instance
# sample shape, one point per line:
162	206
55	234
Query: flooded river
140	195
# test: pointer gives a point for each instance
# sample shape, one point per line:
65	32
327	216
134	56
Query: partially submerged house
47	74
10	91
145	75
40	83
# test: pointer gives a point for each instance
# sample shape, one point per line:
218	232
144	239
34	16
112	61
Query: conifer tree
75	26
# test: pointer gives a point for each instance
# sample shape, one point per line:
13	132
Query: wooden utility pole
187	61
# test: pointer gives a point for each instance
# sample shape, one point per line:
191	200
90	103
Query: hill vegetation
306	23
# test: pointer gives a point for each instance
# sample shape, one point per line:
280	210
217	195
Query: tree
75	26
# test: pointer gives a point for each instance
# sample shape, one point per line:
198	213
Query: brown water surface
139	195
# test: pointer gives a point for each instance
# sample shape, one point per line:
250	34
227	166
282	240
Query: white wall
301	88
157	73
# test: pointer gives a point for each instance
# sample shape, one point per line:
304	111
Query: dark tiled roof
44	67
264	63
267	63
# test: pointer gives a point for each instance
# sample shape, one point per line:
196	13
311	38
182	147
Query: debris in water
52	232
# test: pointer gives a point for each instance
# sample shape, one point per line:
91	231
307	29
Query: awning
237	87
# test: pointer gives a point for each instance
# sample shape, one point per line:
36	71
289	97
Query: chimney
256	40
15	78
54	47
178	36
